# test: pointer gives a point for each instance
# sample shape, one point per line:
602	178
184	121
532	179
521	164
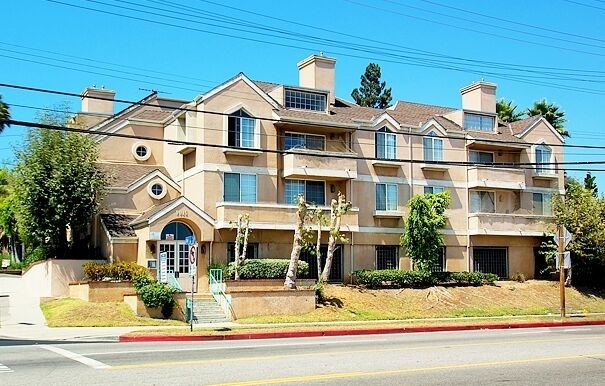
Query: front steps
207	310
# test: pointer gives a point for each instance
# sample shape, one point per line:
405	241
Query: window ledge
545	175
386	163
388	214
435	167
242	152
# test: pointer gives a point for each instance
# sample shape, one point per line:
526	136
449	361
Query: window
305	100
433	189
386	143
251	251
543	159
433	147
491	260
313	191
440	266
141	152
156	190
239	187
542	204
478	122
305	141
386	196
387	256
483	202
336	271
241	129
481	157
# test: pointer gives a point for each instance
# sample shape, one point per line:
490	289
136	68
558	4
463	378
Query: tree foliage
373	92
590	183
58	187
551	113
422	237
4	115
583	215
506	111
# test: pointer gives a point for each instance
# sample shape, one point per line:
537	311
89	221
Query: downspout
411	164
468	235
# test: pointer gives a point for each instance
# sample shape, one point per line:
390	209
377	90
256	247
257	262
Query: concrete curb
357	331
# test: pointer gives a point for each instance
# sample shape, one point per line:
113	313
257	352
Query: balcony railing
326	165
508	224
273	216
497	178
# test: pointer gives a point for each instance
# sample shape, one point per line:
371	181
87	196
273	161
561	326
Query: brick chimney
479	97
317	71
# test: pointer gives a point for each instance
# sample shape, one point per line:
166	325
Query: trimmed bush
267	268
119	271
393	278
155	294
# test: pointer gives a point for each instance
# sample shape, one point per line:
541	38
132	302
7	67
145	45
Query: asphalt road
564	356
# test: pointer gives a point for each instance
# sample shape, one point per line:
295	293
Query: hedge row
116	271
267	268
393	278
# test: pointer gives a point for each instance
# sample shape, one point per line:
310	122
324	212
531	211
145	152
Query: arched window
386	144
433	147
173	244
543	159
240	129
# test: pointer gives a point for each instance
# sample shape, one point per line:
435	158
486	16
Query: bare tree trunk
238	236
337	209
318	247
290	282
245	225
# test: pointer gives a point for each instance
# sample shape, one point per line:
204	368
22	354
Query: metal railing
173	281
217	290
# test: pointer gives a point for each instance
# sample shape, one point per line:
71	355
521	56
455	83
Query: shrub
393	278
121	270
267	268
155	294
518	276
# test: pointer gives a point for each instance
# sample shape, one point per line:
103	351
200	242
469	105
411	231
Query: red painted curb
364	331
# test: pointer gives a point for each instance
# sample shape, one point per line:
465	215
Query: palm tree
4	115
551	113
506	111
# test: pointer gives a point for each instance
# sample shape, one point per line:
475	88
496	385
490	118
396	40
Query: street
571	356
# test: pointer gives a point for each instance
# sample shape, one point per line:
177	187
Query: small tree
338	208
422	237
506	111
551	113
372	92
241	241
4	115
301	214
590	183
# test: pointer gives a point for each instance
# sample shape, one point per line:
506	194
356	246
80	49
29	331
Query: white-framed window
241	129
251	251
305	100
386	197
314	192
387	256
304	141
433	147
482	202
141	151
440	267
433	189
479	122
543	159
542	204
239	187
386	144
481	157
156	189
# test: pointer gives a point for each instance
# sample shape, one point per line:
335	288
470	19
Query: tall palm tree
551	113
4	115
506	111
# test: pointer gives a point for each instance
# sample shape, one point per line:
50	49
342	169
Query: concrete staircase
207	310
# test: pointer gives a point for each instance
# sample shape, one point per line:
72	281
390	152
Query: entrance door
173	243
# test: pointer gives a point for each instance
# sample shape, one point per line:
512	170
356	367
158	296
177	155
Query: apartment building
251	147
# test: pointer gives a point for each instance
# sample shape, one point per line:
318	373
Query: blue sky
427	50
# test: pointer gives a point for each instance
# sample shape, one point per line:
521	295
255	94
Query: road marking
76	357
5	369
345	352
359	374
531	332
576	329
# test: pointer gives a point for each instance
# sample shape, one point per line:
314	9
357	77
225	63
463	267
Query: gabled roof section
267	86
415	114
239	77
341	114
129	176
524	126
155	213
118	225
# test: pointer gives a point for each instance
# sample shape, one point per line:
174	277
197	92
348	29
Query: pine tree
372	92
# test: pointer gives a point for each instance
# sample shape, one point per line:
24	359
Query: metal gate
336	271
491	260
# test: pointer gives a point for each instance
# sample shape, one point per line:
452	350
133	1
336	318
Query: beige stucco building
250	147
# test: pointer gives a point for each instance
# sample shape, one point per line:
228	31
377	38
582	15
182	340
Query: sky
427	50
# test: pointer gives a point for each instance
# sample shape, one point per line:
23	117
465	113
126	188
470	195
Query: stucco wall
50	278
253	302
101	291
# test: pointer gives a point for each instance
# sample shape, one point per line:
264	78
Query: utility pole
561	257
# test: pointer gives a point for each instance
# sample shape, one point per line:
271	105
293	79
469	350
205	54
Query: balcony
320	164
508	224
497	178
273	216
544	174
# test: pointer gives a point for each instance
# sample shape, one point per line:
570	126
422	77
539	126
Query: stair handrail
173	281
216	289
